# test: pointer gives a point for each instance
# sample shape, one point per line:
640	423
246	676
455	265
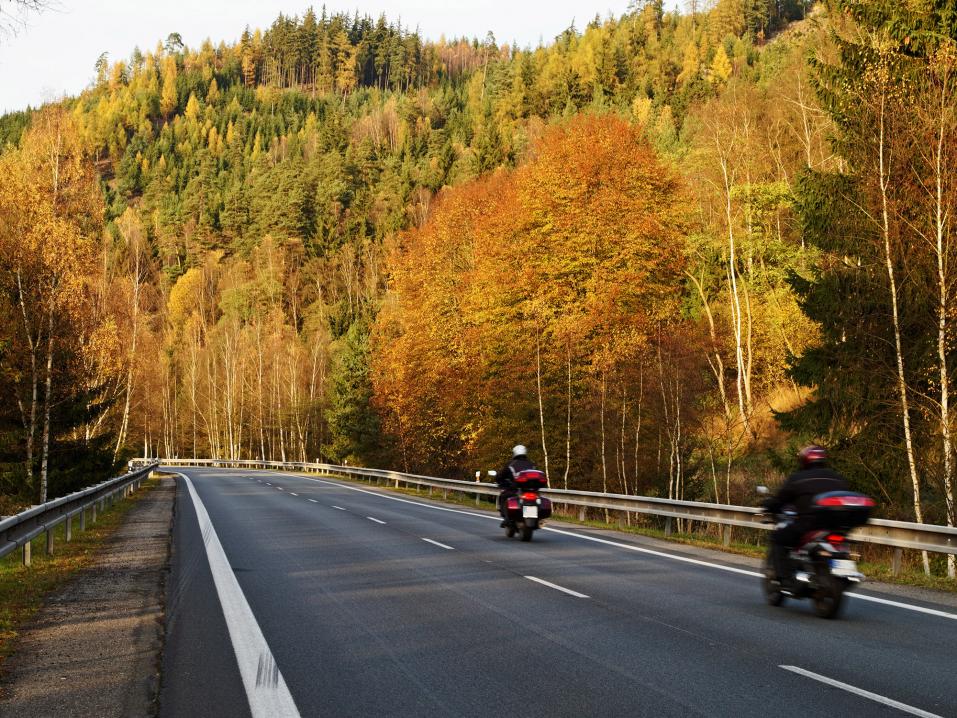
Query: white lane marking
338	507
376	520
280	488
265	687
861	692
576	594
908	606
268	484
652	552
313	501
292	494
436	543
630	547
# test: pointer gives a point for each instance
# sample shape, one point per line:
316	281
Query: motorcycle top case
531	479
841	510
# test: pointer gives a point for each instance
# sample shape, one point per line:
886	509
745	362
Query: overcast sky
54	55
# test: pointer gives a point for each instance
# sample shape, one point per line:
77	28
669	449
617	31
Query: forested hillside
663	250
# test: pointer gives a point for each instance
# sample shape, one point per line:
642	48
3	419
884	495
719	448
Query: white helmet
519	450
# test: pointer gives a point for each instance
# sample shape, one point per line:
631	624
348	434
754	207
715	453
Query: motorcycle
822	565
526	511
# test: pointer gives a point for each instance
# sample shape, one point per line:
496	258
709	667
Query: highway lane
374	604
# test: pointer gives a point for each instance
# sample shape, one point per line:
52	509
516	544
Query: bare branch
15	13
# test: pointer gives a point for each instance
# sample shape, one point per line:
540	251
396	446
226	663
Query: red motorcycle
527	509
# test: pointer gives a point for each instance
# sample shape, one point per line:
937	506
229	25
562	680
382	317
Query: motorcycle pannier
545	509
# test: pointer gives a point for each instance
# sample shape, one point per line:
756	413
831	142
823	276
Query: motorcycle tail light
529	496
846	501
835	538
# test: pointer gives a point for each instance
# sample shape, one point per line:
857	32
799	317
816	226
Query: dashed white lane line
631	547
861	692
436	543
375	519
280	488
313	501
268	484
292	494
266	689
576	594
338	507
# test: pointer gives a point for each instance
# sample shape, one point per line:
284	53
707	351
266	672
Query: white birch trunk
892	286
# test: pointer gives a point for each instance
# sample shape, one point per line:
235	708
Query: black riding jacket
506	477
804	485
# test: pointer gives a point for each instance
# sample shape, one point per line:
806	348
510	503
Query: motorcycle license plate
530	512
843	567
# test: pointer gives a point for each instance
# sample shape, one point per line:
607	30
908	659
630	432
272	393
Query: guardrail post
896	561
49	542
26	554
581	514
93	513
68	531
83	519
668	526
726	535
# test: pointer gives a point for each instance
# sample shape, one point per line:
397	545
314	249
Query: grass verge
871	565
24	588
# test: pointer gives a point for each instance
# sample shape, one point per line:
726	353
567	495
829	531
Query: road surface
294	595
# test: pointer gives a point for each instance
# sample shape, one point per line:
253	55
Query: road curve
333	599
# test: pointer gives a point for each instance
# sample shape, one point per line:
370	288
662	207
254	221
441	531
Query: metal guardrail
19	530
897	534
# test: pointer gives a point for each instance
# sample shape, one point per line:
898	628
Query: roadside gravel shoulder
94	649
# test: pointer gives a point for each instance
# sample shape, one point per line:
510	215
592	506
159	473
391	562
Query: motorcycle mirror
762	490
492	473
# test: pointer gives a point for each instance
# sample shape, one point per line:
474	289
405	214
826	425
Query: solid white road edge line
265	687
436	543
630	547
861	692
576	594
374	519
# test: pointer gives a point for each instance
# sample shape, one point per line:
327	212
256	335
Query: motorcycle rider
814	476
506	479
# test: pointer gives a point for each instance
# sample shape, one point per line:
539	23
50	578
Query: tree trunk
892	287
538	383
942	246
47	402
568	414
31	426
604	465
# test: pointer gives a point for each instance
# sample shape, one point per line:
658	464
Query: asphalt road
334	599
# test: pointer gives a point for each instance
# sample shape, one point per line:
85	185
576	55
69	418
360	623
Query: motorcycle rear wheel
510	530
829	596
527	533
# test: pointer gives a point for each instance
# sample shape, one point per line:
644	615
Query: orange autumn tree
525	293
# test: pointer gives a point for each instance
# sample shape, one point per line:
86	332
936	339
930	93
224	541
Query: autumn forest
663	250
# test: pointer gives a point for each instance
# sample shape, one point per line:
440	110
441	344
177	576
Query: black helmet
811	455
